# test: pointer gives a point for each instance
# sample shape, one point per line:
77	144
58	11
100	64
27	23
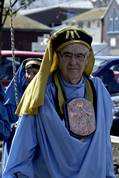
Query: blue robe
43	147
5	128
4	119
10	104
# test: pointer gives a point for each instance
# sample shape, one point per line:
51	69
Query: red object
20	56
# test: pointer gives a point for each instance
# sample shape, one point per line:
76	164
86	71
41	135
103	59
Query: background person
5	128
27	70
4	119
53	142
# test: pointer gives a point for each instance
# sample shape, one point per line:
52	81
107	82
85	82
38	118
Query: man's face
30	73
72	61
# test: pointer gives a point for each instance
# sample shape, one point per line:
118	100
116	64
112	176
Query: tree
10	7
25	3
6	7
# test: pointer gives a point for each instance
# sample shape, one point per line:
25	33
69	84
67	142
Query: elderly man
65	116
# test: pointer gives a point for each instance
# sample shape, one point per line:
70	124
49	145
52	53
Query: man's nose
73	59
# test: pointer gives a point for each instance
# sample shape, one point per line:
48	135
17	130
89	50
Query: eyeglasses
68	56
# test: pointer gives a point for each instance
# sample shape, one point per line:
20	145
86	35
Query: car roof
104	66
106	57
21	53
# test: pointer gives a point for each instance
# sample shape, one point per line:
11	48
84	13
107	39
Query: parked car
108	71
101	60
6	63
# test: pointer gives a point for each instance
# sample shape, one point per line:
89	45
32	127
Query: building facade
102	24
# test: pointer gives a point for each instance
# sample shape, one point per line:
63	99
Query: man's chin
74	81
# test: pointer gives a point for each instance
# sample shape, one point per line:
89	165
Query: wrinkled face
30	73
72	61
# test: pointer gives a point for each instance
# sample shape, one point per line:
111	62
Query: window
113	21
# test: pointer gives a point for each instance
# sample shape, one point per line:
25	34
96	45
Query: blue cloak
43	147
4	119
10	104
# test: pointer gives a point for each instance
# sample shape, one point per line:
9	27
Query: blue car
108	71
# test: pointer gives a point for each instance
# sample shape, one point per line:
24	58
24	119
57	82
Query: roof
23	22
96	13
36	10
82	4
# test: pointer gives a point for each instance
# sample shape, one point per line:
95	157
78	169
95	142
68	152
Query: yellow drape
33	96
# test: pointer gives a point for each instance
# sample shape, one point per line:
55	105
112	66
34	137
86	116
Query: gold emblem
81	117
71	34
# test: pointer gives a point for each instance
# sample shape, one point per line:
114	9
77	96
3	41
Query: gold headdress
32	62
34	94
